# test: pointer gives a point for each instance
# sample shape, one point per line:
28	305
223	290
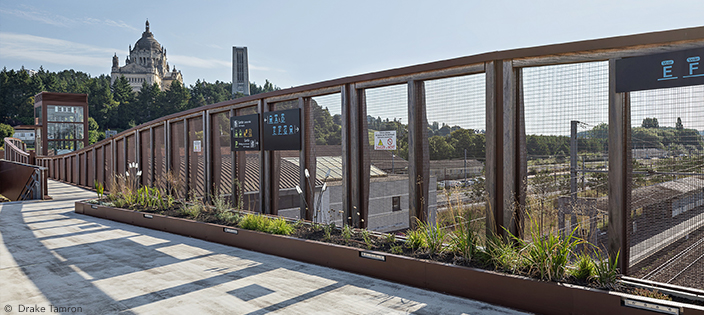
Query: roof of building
290	171
658	193
147	42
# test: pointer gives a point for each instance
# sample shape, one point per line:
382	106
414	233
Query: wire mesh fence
456	111
387	110
247	163
666	221
222	154
566	118
327	126
196	158
289	175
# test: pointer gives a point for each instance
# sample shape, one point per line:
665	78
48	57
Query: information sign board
666	70
282	130
385	140
244	133
197	147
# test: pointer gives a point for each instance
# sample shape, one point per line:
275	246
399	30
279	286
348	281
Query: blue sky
293	43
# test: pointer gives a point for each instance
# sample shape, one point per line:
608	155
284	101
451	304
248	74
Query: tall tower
240	71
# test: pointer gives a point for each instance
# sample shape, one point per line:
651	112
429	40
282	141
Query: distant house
26	133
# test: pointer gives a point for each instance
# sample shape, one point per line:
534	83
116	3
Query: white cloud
39	16
50	50
32	14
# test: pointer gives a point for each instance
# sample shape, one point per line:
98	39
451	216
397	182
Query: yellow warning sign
380	144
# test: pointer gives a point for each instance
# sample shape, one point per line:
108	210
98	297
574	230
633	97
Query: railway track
683	268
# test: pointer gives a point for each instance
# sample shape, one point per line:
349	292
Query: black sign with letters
673	69
244	133
282	130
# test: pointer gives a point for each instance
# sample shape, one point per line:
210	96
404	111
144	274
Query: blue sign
667	70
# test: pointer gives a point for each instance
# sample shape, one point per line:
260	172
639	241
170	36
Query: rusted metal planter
492	287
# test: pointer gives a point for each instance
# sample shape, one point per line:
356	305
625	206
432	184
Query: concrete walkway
69	263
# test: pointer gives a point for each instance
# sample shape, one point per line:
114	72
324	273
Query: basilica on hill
146	63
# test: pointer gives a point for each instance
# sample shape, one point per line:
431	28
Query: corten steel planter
508	290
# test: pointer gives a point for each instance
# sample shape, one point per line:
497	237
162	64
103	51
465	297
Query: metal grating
566	106
456	111
666	221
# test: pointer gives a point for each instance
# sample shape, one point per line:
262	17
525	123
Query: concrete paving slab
69	263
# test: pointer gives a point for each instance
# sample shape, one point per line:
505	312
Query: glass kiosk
62	122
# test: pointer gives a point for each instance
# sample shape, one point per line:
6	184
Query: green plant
397	249
346	232
464	239
390	238
415	239
434	236
279	226
502	254
219	202
328	228
119	202
547	256
192	210
583	268
255	222
100	189
606	272
227	216
367	238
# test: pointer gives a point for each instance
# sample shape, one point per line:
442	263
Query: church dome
147	42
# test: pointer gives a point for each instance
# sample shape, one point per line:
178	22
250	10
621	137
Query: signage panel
282	130
244	133
673	69
385	140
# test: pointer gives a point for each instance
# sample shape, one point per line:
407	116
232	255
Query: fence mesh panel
178	160
456	111
248	180
567	106
666	221
387	110
159	166
145	156
222	155
289	173
327	126
196	157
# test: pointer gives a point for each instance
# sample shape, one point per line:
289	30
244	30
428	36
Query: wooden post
418	155
207	156
619	171
186	160
503	182
345	103
355	161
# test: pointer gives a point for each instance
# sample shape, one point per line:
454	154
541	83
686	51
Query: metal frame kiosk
61	120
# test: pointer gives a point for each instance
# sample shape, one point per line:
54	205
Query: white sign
385	140
196	146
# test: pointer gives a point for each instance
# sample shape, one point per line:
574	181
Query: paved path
52	257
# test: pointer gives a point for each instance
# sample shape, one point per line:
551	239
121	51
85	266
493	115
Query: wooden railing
166	145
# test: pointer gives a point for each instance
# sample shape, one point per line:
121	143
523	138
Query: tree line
115	106
111	106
